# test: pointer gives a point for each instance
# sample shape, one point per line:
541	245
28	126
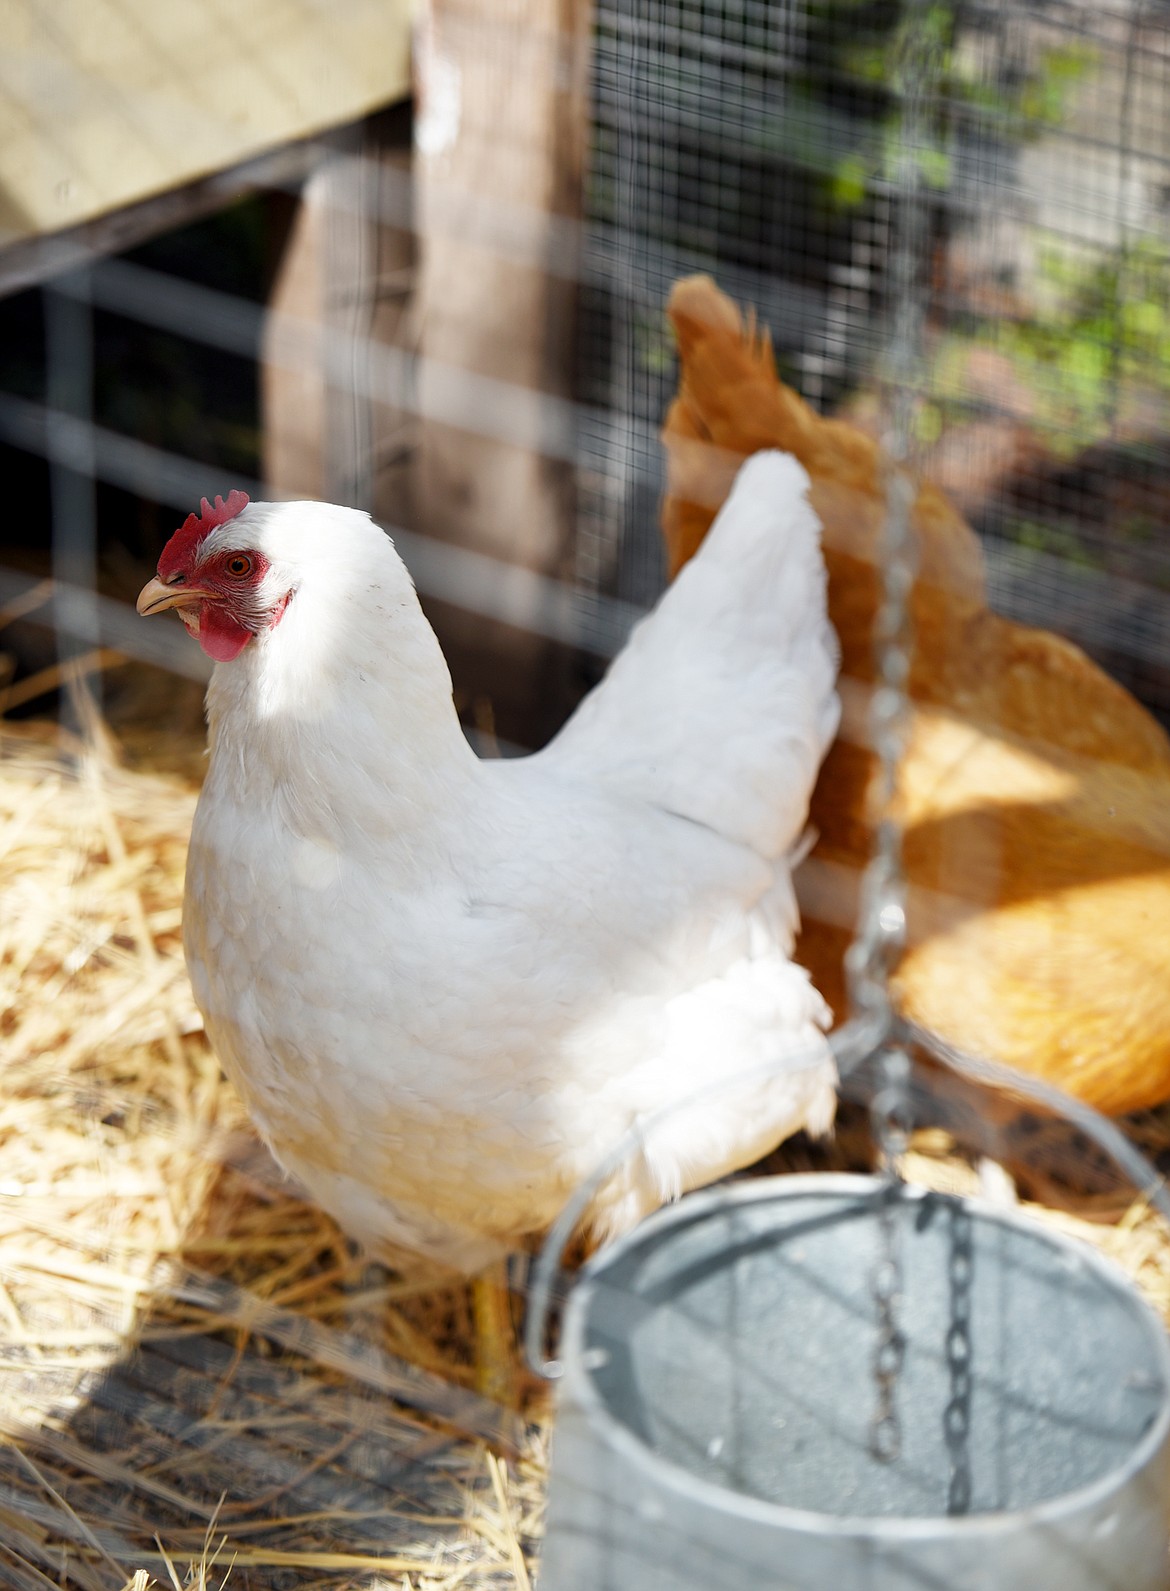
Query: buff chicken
1035	792
446	987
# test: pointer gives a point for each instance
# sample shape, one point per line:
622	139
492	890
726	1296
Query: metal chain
875	952
882	918
885	1429
891	1128
957	1415
881	935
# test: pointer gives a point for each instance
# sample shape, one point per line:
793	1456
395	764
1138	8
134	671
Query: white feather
446	987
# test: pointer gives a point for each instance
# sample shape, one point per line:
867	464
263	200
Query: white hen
445	987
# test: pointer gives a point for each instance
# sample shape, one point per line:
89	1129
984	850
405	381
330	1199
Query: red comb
196	526
208	518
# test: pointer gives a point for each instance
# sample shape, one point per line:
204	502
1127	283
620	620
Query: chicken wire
752	141
745	138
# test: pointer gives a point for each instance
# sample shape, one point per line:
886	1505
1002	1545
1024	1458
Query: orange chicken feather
1034	790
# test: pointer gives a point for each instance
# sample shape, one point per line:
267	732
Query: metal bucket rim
709	1494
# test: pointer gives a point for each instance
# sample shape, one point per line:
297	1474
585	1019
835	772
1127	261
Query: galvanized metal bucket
717	1404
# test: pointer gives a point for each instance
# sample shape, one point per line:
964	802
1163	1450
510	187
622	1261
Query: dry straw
201	1384
200	1381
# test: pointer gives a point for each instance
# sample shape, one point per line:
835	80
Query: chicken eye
239	565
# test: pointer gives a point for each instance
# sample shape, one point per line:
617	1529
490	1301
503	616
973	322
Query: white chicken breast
445	987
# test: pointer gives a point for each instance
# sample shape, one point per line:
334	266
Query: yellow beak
155	597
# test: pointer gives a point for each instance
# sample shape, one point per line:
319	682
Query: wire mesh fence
754	142
475	349
751	142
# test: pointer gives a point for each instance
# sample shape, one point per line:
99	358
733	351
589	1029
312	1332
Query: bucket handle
851	1044
1139	1171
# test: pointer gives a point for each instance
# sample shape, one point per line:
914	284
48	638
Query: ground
200	1378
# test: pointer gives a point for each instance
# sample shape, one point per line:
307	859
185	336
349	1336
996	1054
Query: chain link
885	1430
882	917
957	1414
891	1128
881	935
891	1112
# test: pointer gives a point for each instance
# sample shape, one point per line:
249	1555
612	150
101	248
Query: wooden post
292	397
345	271
500	133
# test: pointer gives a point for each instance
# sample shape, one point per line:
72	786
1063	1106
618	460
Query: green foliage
850	182
1016	111
1102	334
1043	99
654	344
1056	540
928	426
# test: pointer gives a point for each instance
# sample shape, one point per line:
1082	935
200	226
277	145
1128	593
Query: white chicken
445	987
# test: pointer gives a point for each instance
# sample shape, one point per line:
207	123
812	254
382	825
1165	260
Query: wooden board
104	103
500	134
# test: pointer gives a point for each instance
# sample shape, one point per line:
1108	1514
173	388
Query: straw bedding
200	1381
198	1375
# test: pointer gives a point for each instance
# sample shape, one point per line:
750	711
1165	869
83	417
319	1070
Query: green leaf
850	181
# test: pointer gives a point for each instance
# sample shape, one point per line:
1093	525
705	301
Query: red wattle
220	636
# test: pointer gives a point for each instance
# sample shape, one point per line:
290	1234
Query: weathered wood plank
105	103
502	119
